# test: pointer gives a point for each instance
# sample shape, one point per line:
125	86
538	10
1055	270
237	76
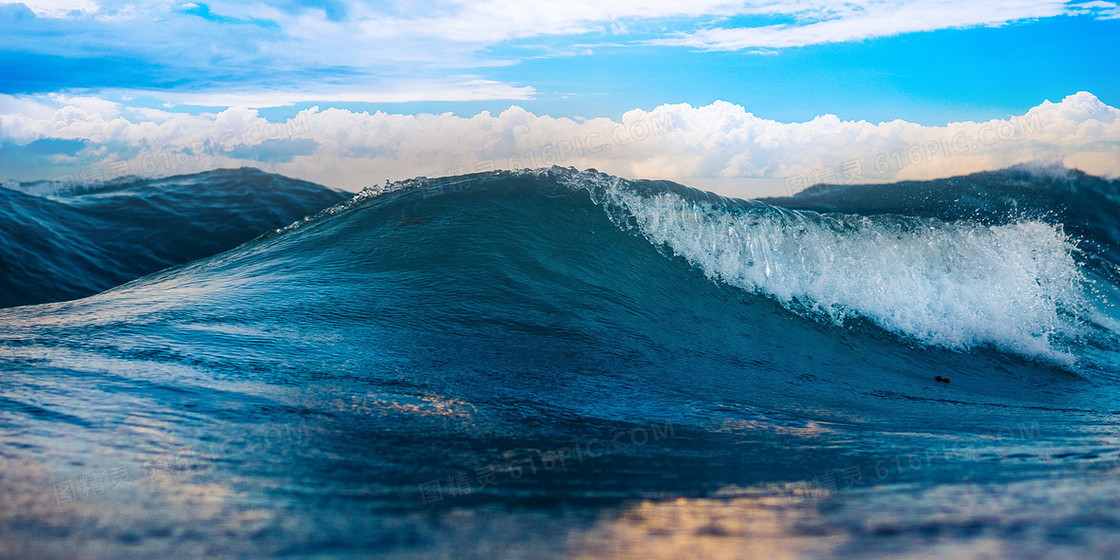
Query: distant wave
66	243
1084	206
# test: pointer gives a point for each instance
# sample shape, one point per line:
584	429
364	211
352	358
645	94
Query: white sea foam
957	285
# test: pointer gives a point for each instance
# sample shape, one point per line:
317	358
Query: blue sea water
566	364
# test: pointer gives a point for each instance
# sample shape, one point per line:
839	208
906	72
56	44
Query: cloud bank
720	146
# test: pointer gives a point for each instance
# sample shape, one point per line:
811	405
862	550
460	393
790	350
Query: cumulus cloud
720	144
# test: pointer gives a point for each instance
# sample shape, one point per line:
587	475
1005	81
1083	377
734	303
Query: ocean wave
958	285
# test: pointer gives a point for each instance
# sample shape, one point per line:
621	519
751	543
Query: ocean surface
566	364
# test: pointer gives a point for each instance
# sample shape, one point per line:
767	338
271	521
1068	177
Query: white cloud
489	22
492	21
721	146
465	89
455	32
854	21
61	8
1098	8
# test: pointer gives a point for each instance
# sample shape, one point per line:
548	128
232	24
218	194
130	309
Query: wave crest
959	284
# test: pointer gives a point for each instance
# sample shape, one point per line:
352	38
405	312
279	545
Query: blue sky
928	63
878	61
